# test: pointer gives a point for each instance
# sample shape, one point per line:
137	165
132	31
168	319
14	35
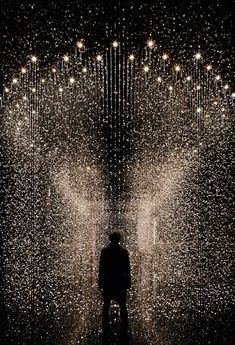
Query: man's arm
101	271
128	271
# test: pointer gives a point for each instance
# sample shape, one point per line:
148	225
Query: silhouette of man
114	278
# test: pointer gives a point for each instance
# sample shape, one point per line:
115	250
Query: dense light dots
117	136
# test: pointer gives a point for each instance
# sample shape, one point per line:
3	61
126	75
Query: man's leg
123	310
106	307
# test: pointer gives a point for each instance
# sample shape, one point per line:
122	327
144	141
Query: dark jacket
114	270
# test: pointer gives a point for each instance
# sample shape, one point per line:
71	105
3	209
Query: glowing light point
71	80
165	57
131	57
198	87
177	68
43	81
14	81
218	77
80	45
23	70
150	43
223	109
226	87
66	58
159	79
84	69
208	67
146	68
99	57
189	78
115	44
233	95
170	88
25	98
33	90
60	89
34	58
199	110
53	70
198	56
6	89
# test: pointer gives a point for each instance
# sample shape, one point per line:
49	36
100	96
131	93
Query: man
114	278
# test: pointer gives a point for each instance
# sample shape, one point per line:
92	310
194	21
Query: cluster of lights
131	57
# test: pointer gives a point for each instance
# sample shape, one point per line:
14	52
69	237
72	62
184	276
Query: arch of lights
128	140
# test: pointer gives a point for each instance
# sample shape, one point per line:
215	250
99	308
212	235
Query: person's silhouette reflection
114	278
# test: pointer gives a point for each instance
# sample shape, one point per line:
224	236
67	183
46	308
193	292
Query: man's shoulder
111	248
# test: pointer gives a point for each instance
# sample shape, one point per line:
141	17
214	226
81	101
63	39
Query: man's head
115	237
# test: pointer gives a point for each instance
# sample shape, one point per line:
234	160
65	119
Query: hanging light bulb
146	68
80	45
66	58
99	57
198	56
151	43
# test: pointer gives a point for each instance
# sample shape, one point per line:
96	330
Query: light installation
133	140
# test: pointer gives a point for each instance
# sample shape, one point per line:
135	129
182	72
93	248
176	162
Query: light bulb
198	56
146	68
115	44
80	45
99	57
177	68
150	43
